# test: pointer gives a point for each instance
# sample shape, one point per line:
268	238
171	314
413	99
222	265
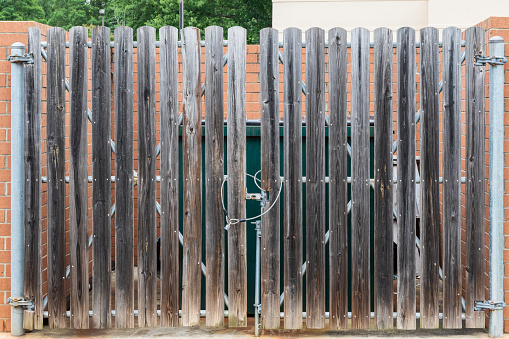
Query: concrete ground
248	332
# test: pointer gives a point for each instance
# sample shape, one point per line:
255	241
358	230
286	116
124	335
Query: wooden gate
82	190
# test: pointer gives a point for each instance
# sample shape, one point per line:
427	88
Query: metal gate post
496	175
17	188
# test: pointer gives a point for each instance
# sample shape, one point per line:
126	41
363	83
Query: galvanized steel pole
17	189
496	274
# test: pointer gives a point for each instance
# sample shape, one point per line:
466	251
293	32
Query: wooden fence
330	61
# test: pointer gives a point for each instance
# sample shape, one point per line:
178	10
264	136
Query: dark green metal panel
253	208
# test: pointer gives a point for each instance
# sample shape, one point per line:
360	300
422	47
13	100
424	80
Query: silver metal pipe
114	313
496	271
44	44
257	278
17	188
372	315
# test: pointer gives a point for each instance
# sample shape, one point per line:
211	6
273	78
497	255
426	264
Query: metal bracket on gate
19	302
261	197
481	60
481	305
27	58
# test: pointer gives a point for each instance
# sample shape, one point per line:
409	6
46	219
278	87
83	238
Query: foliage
21	10
250	14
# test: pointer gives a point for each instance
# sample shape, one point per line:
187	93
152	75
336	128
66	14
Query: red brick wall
11	32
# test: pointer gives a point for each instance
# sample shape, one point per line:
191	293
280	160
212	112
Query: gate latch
481	305
481	60
27	58
19	302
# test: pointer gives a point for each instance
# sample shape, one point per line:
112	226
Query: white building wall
394	14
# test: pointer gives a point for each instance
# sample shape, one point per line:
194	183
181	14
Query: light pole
101	12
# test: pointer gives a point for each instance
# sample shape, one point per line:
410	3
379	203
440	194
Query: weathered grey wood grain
315	178
78	175
474	289
56	181
338	236
147	247
214	174
430	211
292	141
451	99
406	178
236	167
360	179
192	168
270	176
124	184
101	172
32	132
383	256
168	53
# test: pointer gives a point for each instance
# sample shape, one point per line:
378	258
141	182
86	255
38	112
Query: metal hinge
20	302
481	60
27	58
481	305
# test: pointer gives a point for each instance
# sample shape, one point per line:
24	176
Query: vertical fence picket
360	180
124	183
430	211
315	178
147	247
32	132
168	52
452	173
101	159
270	177
383	256
406	178
236	167
78	178
292	94
475	286
214	175
338	235
56	180
191	169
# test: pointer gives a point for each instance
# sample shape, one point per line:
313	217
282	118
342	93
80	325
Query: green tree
250	14
21	10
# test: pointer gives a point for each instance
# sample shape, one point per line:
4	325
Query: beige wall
377	13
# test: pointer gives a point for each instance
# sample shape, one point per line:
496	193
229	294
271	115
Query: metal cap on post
496	275
17	188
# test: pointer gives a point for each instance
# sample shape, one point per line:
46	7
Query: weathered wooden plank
192	167
315	178
474	289
292	141
56	181
338	235
214	174
168	51
147	246
360	179
384	248
32	130
78	175
236	168
406	178
101	172
124	183
270	177
430	211
451	99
